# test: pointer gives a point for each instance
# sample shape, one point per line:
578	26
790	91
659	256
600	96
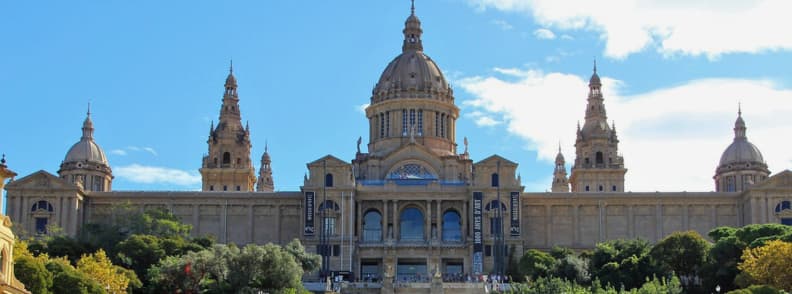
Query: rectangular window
420	122
487	250
437	124
336	250
329	226
387	124
404	122
382	125
41	225
412	117
442	125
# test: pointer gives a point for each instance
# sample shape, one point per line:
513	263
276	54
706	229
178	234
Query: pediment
41	180
779	180
412	153
330	160
493	159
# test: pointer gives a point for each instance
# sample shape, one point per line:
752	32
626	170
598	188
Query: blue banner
308	230
478	239
515	214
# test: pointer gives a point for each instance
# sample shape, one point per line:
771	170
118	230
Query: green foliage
757	289
722	232
67	279
535	264
544	285
748	234
559	252
309	262
228	269
681	252
32	272
558	285
573	268
622	262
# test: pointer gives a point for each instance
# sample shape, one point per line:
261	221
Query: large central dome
412	74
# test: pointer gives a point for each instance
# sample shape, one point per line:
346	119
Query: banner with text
478	241
309	214
515	214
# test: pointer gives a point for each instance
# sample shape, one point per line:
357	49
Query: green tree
535	264
31	270
99	267
308	261
624	263
573	268
683	253
757	289
67	279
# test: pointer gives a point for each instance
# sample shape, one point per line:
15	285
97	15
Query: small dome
595	79
86	151
411	71
741	151
231	80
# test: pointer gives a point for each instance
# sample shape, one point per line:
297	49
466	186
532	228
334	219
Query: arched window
495	222
329	216
328	180
372	226
227	158
411	225
600	158
495	180
784	211
452	226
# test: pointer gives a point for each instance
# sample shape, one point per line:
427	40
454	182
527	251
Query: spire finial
231	67
89	108
266	146
412	7
739	108
559	146
595	65
3	161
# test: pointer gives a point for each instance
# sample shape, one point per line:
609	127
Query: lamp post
717	289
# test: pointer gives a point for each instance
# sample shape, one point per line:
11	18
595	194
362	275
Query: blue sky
153	71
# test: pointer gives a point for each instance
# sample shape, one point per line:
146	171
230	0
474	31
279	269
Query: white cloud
362	107
710	28
671	138
502	24
157	175
118	152
544	34
142	149
566	37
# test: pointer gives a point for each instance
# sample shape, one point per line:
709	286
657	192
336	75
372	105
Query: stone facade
410	204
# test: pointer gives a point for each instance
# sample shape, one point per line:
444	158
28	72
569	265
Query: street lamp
717	288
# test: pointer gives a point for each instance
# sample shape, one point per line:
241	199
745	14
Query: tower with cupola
86	164
741	164
598	166
227	166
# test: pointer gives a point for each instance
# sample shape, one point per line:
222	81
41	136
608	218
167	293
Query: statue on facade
360	140
412	133
466	145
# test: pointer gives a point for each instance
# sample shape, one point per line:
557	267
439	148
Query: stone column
196	220
396	217
251	225
548	219
658	222
630	222
278	223
384	220
439	220
465	215
714	215
576	224
428	221
359	225
685	223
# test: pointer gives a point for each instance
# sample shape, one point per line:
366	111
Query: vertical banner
515	214
308	230
478	242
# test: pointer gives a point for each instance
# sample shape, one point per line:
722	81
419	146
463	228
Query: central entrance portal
412	270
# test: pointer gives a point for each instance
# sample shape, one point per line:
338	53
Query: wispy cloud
544	34
125	151
502	24
157	175
686	125
362	107
119	152
673	27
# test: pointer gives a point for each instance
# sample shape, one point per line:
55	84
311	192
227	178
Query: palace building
409	204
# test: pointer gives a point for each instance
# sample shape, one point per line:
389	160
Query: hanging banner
308	230
478	240
515	214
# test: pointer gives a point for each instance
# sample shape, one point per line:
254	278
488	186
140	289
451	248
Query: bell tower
265	182
598	165
560	181
227	166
